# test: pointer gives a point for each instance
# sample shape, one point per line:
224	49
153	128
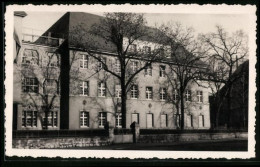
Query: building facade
80	94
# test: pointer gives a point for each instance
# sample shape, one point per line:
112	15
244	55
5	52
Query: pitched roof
64	27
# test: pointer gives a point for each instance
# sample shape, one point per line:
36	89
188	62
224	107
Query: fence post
136	131
110	130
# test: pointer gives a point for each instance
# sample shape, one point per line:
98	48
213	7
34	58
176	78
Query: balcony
41	40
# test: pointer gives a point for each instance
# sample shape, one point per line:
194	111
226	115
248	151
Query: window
53	59
102	89
147	49
50	86
132	48
189	121
163	94
149	120
148	71
164	120
175	95
83	61
149	93
100	64
84	88
177	120
117	67
188	95
30	57
30	85
118	91
135	118
161	52
134	92
52	119
162	71
102	119
201	121
200	96
29	118
84	119
134	66
118	120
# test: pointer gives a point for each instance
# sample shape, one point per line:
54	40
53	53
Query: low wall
167	138
126	138
68	142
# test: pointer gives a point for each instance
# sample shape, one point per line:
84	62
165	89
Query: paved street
217	145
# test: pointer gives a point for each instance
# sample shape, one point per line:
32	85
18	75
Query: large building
51	72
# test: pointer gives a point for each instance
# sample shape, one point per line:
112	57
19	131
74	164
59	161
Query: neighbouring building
239	101
50	71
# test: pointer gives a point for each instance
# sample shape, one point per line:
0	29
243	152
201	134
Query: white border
206	9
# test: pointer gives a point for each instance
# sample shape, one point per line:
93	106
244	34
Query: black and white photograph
135	81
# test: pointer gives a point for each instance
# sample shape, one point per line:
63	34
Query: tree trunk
229	108
123	100
123	108
182	111
46	118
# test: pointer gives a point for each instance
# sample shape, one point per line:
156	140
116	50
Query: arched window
30	56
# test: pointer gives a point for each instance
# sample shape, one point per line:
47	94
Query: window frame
31	57
118	121
148	71
102	119
83	63
191	120
84	115
133	48
34	85
83	87
134	66
117	67
57	64
147	49
100	65
162	72
102	89
53	116
134	92
200	96
188	95
33	118
118	91
149	93
166	120
175	95
163	93
138	119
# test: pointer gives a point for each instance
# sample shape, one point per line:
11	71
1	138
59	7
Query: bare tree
122	33
229	51
185	63
40	81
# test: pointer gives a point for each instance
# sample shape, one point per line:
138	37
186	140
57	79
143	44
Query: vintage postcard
130	81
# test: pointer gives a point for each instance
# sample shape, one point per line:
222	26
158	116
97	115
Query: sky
202	23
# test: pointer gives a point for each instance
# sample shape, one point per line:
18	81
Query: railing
42	40
59	133
178	131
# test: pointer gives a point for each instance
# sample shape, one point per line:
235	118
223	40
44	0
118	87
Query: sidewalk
202	145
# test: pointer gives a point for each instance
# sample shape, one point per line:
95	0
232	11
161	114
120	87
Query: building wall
34	100
142	106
